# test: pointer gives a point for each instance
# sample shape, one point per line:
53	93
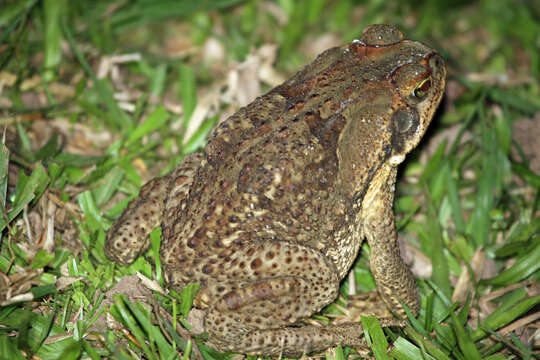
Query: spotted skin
269	219
128	238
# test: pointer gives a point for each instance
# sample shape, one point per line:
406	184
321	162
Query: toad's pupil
422	90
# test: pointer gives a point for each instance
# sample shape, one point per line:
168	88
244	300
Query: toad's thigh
263	304
266	271
280	296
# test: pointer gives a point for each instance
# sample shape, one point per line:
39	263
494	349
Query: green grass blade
90	351
32	187
91	211
338	354
158	81
528	264
141	12
153	331
375	337
26	146
453	197
187	352
180	342
187	296
110	184
72	351
127	318
479	223
154	121
441	271
429	346
500	319
513	99
495	357
8	347
527	174
15	9
49	150
188	91
464	341
52	11
41	259
405	350
155	242
4	162
434	164
47	329
198	139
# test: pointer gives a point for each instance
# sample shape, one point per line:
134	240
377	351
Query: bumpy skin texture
269	219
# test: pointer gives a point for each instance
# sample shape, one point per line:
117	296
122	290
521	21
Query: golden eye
422	88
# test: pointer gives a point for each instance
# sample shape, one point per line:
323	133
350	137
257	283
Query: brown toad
269	219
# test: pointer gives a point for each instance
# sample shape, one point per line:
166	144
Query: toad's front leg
394	280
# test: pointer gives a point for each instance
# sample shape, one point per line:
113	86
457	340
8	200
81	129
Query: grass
84	129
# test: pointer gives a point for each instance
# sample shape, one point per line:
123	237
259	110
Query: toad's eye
421	90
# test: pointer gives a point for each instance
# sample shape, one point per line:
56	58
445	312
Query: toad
270	217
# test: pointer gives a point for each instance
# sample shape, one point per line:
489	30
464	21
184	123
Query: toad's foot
128	238
299	341
371	304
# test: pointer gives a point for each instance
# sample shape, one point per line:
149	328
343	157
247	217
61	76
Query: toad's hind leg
128	238
260	316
